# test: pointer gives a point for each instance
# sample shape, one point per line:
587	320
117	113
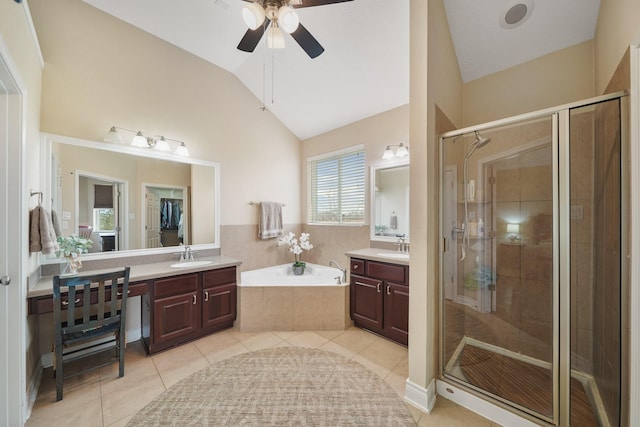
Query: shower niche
531	267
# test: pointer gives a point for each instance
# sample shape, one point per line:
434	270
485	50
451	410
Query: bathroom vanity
379	292
179	304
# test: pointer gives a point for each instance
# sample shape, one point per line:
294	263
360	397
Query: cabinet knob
378	287
194	299
355	267
388	289
65	303
206	295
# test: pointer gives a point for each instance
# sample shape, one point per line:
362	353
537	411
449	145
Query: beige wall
101	72
618	24
555	79
17	38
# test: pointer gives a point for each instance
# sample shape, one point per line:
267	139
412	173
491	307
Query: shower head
481	141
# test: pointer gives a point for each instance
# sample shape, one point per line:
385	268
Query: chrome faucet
344	271
401	244
187	255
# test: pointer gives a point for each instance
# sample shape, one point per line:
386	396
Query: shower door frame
560	138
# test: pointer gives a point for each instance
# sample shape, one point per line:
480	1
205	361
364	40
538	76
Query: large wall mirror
128	199
390	201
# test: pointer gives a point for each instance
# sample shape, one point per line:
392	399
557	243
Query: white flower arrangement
297	246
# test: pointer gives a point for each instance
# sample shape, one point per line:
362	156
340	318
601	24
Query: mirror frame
47	139
390	164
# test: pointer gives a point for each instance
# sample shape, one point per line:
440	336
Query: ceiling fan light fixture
288	19
253	15
275	37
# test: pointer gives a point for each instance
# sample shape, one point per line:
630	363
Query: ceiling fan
274	16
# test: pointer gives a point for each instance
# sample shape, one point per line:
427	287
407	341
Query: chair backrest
96	295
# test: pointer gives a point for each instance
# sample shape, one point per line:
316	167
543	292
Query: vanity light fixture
158	142
401	152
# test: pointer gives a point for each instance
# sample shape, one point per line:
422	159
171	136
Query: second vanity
379	292
179	303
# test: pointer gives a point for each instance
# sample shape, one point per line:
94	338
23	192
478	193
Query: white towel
270	220
42	236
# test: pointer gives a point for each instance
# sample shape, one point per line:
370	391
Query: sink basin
186	264
394	255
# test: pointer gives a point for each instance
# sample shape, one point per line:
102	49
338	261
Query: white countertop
383	255
44	286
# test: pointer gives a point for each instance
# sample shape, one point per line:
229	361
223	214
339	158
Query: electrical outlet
577	212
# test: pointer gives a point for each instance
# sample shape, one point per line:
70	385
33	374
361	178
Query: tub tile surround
92	401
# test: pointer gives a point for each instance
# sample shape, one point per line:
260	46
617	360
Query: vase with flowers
297	246
71	247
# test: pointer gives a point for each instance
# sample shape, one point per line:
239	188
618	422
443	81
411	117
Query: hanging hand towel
270	220
42	236
393	221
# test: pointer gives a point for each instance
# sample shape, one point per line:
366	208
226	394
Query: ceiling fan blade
310	3
307	41
252	37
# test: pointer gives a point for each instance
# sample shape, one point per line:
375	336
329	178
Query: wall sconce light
157	142
401	151
513	230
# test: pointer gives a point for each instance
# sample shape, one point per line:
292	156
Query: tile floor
101	399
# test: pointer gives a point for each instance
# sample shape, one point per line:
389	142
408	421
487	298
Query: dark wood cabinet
380	298
188	306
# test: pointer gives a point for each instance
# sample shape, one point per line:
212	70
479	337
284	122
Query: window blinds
336	188
103	197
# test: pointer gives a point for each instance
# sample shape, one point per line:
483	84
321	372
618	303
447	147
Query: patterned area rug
279	387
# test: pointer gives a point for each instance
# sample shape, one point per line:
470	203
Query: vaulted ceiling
365	67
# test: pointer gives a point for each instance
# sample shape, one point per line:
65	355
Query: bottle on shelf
480	228
473	228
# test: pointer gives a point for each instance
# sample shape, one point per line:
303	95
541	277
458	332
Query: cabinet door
396	312
366	302
219	306
175	318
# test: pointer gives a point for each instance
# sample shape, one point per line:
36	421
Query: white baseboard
420	397
482	407
32	392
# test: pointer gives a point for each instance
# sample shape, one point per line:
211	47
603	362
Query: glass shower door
498	334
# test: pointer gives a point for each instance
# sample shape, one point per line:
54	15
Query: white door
12	290
449	224
152	225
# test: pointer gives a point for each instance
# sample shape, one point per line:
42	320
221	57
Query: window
336	187
103	219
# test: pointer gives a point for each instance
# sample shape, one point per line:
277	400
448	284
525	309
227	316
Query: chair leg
121	349
58	372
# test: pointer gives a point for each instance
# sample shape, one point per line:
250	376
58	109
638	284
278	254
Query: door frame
13	312
122	236
185	205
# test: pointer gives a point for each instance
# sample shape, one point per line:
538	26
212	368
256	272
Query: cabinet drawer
175	285
221	276
357	266
381	270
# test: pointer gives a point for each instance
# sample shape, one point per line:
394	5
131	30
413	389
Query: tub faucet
344	271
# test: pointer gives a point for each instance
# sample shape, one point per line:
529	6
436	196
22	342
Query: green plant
72	246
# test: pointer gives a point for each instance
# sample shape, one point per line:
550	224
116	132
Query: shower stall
533	274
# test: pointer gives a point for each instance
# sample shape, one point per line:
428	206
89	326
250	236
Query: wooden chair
92	313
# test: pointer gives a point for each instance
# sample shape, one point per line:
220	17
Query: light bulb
388	153
113	136
402	151
253	15
139	140
161	144
288	19
181	150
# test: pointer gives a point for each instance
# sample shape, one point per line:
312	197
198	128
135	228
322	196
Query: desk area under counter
178	304
379	292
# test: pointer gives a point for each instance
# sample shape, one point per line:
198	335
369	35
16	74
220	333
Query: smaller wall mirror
390	202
